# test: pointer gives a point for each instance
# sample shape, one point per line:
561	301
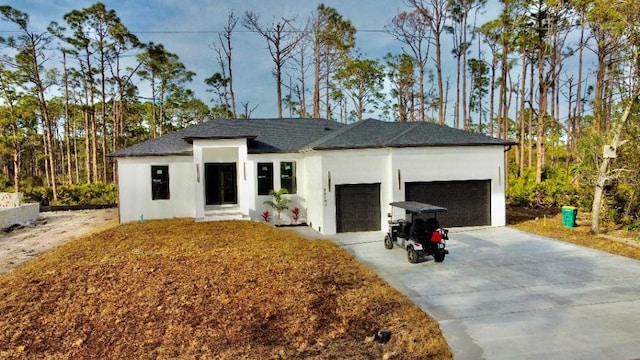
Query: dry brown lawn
177	289
548	222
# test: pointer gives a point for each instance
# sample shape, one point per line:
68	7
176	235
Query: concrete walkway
506	294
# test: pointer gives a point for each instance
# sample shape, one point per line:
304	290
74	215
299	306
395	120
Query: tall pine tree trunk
279	88
578	110
67	116
316	79
94	147
17	151
440	82
523	98
103	113
48	142
87	144
465	110
531	92
492	95
542	114
604	167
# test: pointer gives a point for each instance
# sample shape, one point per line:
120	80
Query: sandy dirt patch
51	230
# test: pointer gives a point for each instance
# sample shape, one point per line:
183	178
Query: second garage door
357	207
468	202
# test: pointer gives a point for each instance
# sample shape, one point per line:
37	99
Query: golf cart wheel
388	242
439	257
412	255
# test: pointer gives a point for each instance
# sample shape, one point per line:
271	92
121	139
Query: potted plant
278	202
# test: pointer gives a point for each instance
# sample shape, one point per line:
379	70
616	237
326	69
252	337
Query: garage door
468	202
357	207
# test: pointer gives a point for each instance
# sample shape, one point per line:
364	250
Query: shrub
556	189
39	194
75	194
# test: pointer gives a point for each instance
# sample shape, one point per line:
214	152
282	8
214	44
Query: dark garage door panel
468	202
357	207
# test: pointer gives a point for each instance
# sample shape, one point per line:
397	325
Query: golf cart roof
418	207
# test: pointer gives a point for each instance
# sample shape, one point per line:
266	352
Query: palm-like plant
278	202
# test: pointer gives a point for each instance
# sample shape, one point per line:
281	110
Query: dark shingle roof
374	133
263	135
292	135
169	144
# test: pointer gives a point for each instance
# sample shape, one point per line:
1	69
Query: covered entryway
468	202
220	183
357	207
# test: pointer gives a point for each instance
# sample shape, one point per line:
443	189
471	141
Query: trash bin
569	216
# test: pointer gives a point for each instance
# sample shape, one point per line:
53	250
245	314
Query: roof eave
190	139
377	146
380	146
143	154
279	151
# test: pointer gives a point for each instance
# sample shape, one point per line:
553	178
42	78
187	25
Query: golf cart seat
406	231
418	230
431	225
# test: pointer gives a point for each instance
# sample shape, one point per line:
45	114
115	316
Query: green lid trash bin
569	216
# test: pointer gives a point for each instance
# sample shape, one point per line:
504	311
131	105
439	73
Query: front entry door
220	183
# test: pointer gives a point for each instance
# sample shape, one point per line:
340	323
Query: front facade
342	178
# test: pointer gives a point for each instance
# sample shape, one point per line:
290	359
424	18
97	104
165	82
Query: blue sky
188	28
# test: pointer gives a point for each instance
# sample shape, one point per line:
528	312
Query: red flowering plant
295	214
266	215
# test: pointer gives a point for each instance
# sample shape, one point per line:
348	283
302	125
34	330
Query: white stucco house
342	177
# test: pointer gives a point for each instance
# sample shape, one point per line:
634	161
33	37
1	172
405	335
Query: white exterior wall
256	204
391	167
453	163
134	188
315	190
366	166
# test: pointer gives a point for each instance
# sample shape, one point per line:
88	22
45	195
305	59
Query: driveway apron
505	294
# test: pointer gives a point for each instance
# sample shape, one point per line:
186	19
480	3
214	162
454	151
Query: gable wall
134	188
453	163
354	166
369	166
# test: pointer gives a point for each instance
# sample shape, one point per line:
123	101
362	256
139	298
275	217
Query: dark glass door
220	183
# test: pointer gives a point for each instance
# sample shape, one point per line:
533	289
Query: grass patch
224	290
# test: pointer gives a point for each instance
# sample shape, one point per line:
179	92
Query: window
159	182
288	177
265	178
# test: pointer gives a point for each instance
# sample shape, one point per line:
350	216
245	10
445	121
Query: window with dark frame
160	182
288	177
265	178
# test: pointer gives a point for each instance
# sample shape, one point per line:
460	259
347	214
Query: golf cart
419	232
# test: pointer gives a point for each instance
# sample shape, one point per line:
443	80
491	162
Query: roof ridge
331	135
402	133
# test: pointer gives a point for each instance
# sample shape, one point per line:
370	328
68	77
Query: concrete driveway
506	294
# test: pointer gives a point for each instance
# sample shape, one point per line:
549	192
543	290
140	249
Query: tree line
71	95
